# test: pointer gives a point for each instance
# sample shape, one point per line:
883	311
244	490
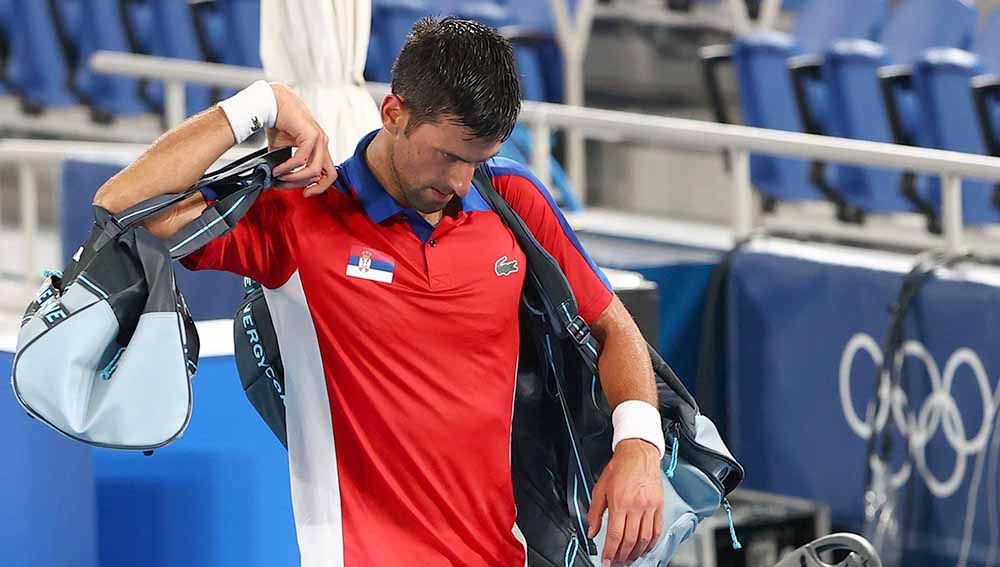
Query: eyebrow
460	158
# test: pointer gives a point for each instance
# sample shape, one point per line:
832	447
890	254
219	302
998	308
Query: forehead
447	136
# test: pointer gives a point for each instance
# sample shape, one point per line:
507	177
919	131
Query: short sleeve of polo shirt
257	248
532	201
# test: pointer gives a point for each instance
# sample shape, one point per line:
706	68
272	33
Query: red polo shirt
400	343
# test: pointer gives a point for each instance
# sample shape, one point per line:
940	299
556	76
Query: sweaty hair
461	71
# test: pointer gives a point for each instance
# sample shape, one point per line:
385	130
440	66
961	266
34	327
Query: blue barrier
681	274
803	347
49	515
217	496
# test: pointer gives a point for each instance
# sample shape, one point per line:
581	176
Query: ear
394	114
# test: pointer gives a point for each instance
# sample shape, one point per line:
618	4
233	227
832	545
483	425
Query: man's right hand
311	167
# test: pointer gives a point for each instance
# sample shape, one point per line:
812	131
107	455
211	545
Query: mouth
440	193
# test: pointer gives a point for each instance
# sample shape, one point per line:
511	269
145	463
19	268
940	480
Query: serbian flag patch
370	264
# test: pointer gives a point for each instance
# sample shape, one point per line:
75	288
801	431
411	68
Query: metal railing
738	141
543	118
29	156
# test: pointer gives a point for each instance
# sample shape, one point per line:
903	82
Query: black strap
879	443
558	295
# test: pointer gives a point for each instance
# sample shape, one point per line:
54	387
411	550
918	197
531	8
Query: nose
460	178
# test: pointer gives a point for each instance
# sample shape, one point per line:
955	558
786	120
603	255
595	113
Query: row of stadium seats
47	44
44	47
858	69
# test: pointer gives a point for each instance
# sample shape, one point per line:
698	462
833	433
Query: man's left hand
631	489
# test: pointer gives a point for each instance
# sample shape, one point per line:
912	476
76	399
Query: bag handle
224	181
236	186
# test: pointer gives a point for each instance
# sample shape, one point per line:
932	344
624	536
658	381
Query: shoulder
506	167
513	179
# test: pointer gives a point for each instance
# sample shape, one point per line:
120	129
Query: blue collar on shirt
378	204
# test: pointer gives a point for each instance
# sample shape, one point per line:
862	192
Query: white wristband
636	419
251	109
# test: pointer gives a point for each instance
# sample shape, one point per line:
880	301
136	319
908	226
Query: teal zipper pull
732	527
674	449
112	365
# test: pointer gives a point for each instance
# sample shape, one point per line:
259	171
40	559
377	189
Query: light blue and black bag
562	425
107	350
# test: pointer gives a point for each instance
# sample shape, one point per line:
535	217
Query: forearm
625	369
170	165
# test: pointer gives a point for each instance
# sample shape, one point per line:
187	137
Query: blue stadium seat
99	26
769	98
233	31
532	31
38	69
166	28
229	33
391	22
871	101
242	21
941	77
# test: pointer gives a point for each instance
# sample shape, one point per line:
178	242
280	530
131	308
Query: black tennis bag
107	350
562	433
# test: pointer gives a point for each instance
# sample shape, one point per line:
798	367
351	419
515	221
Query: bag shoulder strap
236	187
561	310
558	297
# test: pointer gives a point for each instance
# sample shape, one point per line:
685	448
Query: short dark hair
462	71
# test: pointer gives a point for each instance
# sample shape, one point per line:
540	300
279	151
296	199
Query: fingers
644	538
598	503
633	523
324	182
657	527
614	535
298	169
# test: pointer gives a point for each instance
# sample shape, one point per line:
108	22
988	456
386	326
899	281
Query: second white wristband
251	109
636	419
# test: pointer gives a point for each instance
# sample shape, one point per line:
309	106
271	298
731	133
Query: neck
377	158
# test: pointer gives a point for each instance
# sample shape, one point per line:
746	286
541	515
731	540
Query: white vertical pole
541	152
742	194
28	188
740	16
770	11
174	103
573	34
951	213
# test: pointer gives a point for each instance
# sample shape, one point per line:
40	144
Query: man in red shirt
394	291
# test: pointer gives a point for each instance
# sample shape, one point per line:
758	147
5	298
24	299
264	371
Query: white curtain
319	47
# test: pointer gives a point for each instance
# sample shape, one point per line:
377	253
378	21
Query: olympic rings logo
919	425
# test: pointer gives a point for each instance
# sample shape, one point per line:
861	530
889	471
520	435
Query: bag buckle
579	330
